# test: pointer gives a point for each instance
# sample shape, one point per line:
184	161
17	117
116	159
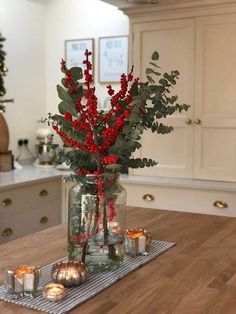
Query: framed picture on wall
113	58
74	52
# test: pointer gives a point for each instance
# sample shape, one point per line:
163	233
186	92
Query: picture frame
113	58
74	52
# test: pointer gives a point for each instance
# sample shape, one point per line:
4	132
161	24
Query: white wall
36	31
74	19
22	23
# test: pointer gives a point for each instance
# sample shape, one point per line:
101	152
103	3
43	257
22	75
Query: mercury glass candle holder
137	241
69	273
22	281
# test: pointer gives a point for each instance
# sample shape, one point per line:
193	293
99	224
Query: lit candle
23	280
137	241
54	292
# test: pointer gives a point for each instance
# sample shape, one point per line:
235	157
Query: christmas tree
3	71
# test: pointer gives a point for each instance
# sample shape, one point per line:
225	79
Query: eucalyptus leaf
151	80
66	107
149	71
163	82
155	55
63	95
113	166
154	64
76	73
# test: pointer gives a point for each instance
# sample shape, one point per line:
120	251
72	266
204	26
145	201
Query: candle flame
23	269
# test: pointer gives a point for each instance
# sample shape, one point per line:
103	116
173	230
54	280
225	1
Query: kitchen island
198	275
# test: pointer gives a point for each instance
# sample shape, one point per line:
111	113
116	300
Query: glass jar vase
96	222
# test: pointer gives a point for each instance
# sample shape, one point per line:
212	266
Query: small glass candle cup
54	292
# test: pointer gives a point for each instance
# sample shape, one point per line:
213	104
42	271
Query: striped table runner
95	283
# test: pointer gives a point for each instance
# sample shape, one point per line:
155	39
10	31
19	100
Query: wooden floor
197	276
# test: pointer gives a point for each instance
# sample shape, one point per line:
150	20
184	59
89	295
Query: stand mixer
45	149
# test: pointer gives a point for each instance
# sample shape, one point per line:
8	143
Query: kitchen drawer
22	198
27	222
182	199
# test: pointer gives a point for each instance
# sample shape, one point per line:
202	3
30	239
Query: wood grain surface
197	276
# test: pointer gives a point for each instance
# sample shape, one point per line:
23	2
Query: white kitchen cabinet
197	162
215	98
174	40
198	40
198	196
30	201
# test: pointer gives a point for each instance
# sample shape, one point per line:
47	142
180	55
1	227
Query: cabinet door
174	40
215	98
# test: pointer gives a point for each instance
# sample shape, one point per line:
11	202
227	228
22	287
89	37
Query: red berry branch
101	131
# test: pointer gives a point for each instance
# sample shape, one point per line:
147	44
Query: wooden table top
198	275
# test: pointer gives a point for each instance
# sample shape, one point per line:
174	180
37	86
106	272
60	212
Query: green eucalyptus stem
84	252
70	245
105	223
104	205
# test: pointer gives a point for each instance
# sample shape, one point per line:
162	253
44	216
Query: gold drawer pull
148	197
188	121
6	202
44	220
43	193
220	204
197	121
7	232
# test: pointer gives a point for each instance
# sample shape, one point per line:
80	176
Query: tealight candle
54	292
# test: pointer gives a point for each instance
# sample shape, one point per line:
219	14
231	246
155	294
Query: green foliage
153	101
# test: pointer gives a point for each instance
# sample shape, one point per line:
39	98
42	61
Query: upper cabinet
200	42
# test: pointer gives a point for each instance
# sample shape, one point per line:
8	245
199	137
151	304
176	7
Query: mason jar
97	222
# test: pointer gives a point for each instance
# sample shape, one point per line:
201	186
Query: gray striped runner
95	284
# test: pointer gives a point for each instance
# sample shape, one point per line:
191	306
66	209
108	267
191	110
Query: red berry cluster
101	130
112	211
110	159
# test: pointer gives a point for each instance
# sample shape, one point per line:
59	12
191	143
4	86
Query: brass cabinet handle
197	121
44	220
188	121
43	193
148	197
6	202
220	204
7	232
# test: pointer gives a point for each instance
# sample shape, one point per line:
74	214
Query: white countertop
30	173
26	175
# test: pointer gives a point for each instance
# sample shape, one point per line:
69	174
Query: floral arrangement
104	141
